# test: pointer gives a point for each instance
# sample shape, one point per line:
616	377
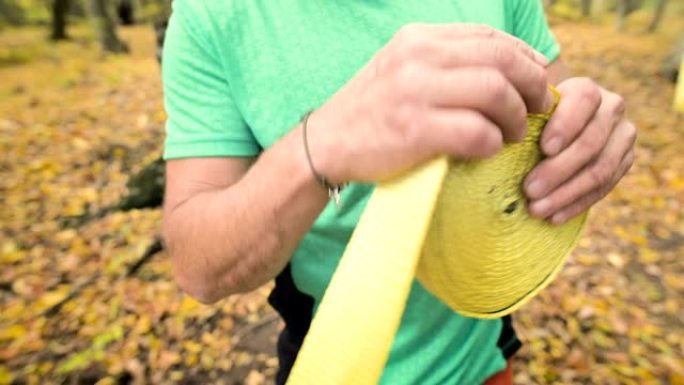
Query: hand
590	147
458	90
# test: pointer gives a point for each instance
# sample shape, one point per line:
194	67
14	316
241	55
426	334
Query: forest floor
74	124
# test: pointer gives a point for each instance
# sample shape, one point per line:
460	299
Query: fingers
527	76
484	90
462	133
580	99
592	182
551	172
461	30
588	200
453	46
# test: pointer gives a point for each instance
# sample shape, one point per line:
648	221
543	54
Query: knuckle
600	174
541	79
618	103
485	30
590	142
404	121
629	160
520	116
631	133
406	79
383	62
590	90
494	84
477	139
539	82
503	54
409	38
478	30
404	32
392	56
586	202
602	192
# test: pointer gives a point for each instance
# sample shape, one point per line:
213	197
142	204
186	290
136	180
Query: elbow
198	288
207	284
191	280
207	287
200	284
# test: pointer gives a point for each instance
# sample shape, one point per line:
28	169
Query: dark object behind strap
296	309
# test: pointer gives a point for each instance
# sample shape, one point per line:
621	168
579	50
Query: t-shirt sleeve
529	24
203	119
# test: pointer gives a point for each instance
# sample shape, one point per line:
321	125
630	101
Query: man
247	200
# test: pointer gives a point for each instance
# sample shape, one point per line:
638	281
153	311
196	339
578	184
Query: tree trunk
622	15
105	29
126	13
625	7
160	27
59	14
586	8
658	16
670	65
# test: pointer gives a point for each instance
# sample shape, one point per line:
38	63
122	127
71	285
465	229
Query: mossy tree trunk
104	27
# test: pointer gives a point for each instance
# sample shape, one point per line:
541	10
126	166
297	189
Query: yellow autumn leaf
188	305
12	332
648	255
6	377
676	379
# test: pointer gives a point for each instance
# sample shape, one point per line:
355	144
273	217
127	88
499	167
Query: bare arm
457	90
230	227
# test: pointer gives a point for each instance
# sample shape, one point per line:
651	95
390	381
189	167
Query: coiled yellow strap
462	229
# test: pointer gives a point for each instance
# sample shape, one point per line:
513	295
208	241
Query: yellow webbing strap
462	229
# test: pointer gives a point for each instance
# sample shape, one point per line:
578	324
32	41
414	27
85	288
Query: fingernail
558	219
540	207
553	146
535	190
541	59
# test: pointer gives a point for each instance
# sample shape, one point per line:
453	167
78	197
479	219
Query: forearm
234	239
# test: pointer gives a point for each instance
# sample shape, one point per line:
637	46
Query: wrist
326	149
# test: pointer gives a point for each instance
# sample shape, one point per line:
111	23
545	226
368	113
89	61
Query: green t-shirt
238	74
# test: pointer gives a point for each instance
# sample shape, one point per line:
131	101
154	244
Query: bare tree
104	27
586	8
126	12
670	65
59	24
625	8
657	16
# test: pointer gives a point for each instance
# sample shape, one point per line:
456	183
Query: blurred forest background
86	291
